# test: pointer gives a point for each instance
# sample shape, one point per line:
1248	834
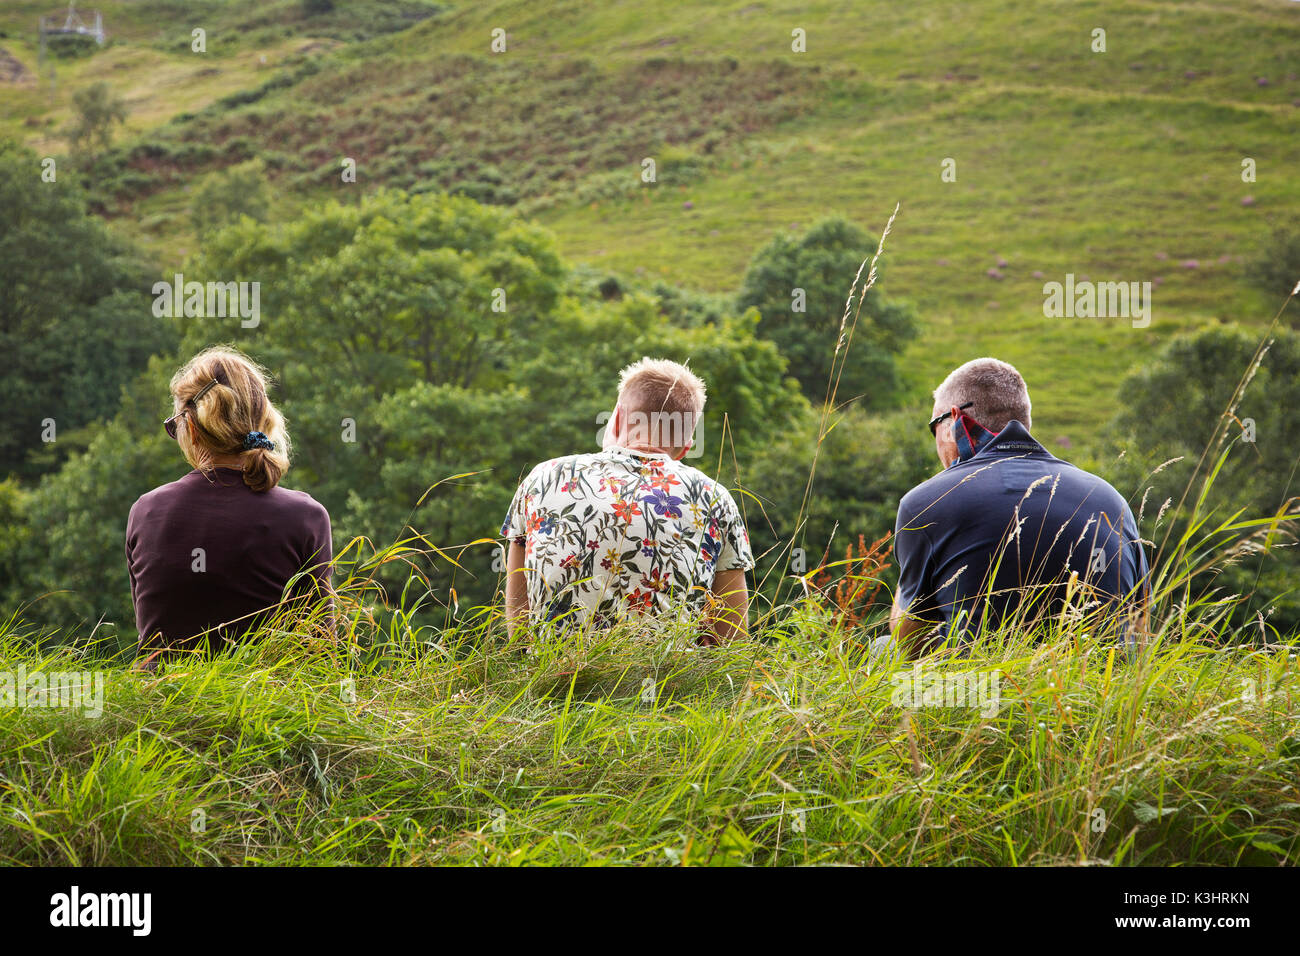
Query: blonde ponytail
233	418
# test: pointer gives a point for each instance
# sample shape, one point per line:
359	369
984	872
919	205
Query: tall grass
410	746
389	740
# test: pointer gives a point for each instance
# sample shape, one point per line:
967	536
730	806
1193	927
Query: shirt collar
620	450
1012	440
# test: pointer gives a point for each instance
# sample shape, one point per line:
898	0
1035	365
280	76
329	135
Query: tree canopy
799	285
75	320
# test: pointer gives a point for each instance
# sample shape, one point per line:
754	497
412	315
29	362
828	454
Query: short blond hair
667	395
227	412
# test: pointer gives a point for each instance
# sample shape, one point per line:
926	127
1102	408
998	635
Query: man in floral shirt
631	531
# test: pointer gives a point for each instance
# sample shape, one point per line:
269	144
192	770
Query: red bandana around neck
970	435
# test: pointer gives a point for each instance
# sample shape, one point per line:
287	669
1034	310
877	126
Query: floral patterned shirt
621	533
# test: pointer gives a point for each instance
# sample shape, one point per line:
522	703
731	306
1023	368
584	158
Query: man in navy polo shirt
998	534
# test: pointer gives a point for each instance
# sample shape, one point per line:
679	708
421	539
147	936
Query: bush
1275	268
71	46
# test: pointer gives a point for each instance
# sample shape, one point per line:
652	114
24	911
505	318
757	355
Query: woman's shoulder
162	492
176	494
298	502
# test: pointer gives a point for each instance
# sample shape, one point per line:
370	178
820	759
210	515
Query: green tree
865	464
224	196
361	301
1275	268
391	290
75	318
446	462
96	109
814	273
69	533
1169	411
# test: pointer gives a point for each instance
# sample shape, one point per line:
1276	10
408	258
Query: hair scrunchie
258	440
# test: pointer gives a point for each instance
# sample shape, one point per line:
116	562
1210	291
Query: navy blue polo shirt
974	542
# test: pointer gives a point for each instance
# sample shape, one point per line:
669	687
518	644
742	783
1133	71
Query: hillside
1123	165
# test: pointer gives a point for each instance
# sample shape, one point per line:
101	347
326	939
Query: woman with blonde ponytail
210	553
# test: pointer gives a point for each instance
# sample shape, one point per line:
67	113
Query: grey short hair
997	390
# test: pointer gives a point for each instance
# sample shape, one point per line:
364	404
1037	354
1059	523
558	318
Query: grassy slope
1068	161
146	60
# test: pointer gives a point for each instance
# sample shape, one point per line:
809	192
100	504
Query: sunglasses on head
939	419
169	426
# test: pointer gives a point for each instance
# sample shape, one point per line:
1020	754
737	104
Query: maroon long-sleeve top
206	554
